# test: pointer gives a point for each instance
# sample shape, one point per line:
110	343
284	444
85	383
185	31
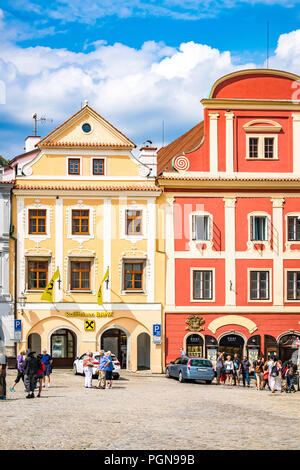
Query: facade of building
84	204
6	306
231	186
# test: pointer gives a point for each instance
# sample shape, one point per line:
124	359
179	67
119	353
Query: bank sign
157	333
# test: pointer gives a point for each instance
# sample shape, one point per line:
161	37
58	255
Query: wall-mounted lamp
22	301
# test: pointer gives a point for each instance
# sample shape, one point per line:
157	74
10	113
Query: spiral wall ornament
181	163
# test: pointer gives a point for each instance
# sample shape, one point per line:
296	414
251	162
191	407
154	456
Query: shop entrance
289	347
143	351
232	344
194	345
115	340
63	348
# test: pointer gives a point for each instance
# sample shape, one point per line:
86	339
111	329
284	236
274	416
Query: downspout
11	231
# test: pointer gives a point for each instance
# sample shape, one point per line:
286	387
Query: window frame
261	146
140	217
269	285
133	289
80	289
202	269
287	271
292	216
68	166
36	218
37	260
104	166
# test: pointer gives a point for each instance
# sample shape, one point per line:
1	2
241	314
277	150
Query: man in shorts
237	370
47	361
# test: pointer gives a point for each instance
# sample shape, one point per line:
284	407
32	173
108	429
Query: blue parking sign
18	325
157	330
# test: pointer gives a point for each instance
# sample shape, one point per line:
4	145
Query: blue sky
139	63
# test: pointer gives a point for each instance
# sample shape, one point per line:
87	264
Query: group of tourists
272	374
104	369
32	370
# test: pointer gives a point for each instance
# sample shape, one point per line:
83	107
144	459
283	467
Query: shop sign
194	323
156	339
89	325
89	314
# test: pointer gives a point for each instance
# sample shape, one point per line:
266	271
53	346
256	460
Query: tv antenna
42	120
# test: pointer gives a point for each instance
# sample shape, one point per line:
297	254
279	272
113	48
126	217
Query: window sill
261	158
80	292
125	292
202	300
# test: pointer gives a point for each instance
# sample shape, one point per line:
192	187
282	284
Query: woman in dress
275	376
88	365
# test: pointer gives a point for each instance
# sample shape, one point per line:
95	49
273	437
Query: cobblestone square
145	411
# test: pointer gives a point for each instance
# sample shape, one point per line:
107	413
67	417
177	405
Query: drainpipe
11	231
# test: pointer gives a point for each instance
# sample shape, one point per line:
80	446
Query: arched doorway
289	347
63	347
34	342
211	348
253	348
271	347
194	345
115	340
143	351
231	344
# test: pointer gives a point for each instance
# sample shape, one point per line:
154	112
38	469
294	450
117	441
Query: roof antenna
268	37
42	120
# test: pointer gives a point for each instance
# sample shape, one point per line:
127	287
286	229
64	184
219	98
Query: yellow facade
132	300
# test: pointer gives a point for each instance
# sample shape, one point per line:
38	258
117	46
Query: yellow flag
99	295
48	292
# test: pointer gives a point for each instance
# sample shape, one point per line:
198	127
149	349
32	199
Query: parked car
78	365
190	368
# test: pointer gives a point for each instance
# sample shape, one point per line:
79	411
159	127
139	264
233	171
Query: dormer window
262	139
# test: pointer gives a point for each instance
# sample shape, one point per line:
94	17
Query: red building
231	185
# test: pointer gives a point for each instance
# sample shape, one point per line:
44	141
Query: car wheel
168	373
180	377
75	370
208	381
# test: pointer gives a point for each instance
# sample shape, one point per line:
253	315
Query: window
133	276
202	285
293	228
98	166
80	222
37	275
37	221
293	285
74	166
262	147
259	228
80	275
269	147
259	285
133	222
86	127
200	227
253	147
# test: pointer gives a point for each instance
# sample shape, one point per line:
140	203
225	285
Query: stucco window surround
81	238
201	244
266	243
83	259
90	124
145	222
286	271
37	238
145	266
80	165
213	282
270	285
100	157
50	272
288	242
262	129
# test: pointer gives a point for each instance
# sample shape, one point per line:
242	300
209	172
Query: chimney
148	157
30	142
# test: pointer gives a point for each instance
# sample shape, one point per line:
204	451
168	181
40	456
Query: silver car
191	368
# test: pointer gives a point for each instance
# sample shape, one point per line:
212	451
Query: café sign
89	314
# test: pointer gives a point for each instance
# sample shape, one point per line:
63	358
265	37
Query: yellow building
83	203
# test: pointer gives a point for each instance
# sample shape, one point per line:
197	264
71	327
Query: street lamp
22	301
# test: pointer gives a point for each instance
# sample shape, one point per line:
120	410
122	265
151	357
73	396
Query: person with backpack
30	372
291	376
20	368
40	373
258	369
275	375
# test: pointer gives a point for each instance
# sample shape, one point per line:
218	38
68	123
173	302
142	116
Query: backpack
274	371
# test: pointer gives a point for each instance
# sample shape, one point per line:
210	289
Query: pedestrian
219	366
30	372
40	374
47	361
109	370
2	375
237	368
275	376
102	370
88	365
228	365
291	376
245	371
258	365
182	352
20	368
265	376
